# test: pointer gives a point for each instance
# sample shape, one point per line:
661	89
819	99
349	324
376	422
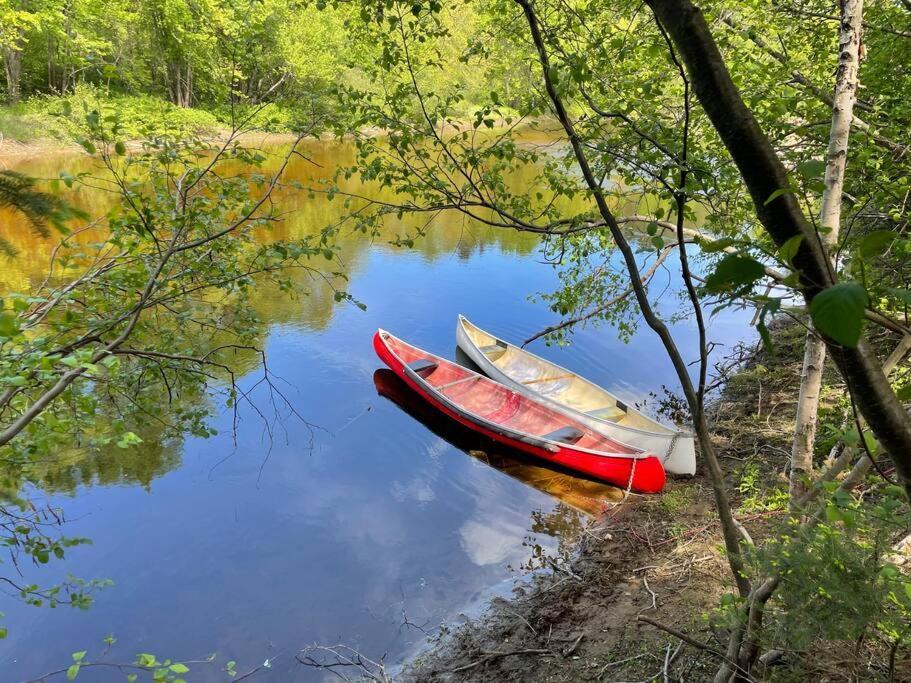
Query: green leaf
120	148
179	668
776	194
9	325
875	243
838	312
734	272
904	393
716	245
72	672
889	571
79	656
813	168
788	250
902	295
88	146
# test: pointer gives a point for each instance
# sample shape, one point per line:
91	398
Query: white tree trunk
846	80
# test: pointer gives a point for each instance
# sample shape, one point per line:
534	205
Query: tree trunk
782	218
846	80
12	63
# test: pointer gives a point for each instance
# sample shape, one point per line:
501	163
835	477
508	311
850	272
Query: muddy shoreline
652	559
580	621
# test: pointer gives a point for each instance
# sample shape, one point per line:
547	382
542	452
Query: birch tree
845	95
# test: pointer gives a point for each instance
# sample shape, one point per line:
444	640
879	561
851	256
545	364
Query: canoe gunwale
530	439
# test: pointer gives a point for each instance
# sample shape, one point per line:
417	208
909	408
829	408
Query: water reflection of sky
252	550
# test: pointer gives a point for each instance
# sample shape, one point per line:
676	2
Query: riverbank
15	149
49	124
655	559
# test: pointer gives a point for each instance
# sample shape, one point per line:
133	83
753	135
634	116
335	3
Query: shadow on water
584	495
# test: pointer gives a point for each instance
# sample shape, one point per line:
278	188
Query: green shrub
839	578
140	116
19	122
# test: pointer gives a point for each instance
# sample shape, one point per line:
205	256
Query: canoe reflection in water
584	495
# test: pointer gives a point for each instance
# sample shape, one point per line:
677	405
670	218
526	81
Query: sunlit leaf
838	312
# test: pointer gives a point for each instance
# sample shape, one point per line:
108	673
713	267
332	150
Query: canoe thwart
540	380
422	366
440	387
568	435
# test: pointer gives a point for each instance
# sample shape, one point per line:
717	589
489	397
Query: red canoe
519	421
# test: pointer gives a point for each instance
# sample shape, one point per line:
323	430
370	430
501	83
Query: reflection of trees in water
313	307
138	465
305	214
82	465
563	520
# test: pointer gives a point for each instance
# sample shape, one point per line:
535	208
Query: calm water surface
258	548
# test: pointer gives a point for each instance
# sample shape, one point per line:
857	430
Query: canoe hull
643	474
675	448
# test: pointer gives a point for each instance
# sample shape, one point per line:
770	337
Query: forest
206	205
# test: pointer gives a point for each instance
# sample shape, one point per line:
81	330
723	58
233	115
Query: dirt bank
655	558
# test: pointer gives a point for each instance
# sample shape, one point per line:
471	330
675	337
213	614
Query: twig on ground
618	663
572	648
654	595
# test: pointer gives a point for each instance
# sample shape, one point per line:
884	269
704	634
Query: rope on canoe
670	447
629	484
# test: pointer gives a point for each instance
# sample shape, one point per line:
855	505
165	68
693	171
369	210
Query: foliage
841	581
140	117
756	496
29	533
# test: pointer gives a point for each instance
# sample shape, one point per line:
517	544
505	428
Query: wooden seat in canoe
568	435
423	366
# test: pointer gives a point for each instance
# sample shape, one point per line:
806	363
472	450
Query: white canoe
587	402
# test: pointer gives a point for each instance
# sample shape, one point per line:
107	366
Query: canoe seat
494	351
567	435
610	413
422	366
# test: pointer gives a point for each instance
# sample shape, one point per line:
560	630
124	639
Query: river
368	529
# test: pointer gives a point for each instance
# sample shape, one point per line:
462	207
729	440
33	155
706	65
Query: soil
653	558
